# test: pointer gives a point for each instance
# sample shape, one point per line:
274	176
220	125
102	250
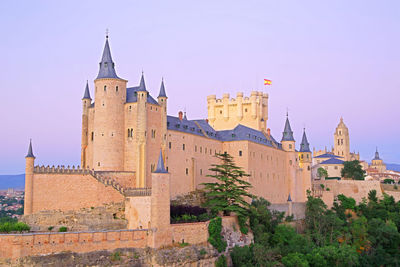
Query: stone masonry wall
64	191
15	246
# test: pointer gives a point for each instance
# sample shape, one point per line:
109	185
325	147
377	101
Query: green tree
353	170
295	260
322	173
229	193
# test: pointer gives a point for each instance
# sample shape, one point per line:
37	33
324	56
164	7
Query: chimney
269	132
180	114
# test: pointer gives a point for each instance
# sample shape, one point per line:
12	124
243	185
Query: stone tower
305	161
377	163
342	141
226	113
110	96
162	101
141	134
288	144
29	165
86	102
160	205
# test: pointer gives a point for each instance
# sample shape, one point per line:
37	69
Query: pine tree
229	193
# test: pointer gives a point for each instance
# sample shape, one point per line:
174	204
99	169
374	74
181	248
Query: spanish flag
267	82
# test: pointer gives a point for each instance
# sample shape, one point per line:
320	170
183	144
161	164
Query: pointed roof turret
289	199
107	66
287	132
142	85
304	146
87	93
160	164
162	89
377	154
30	150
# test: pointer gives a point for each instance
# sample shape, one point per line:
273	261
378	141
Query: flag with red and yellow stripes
267	82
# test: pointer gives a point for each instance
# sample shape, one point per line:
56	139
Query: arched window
290	146
116	88
92	137
105	88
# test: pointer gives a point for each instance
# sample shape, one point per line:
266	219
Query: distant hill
12	181
393	167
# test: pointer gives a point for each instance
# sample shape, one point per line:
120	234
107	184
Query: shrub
243	225
13	226
221	262
63	229
203	252
50	228
116	256
215	237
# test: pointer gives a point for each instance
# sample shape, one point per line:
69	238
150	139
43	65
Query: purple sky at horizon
326	59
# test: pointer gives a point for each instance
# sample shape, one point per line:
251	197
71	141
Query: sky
326	59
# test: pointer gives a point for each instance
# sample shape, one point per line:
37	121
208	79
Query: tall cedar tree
229	192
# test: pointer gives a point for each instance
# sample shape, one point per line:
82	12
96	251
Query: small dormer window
105	64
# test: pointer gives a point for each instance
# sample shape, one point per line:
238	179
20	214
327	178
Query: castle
125	128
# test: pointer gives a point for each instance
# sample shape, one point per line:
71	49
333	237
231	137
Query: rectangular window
240	153
169	145
187	171
201	172
195	148
183	146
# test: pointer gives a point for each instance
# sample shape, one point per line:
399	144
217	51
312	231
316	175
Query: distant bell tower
342	141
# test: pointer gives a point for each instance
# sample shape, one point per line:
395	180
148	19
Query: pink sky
325	60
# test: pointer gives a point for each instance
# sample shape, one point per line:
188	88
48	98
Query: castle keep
124	129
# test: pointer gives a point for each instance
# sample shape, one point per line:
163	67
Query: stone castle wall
70	191
15	246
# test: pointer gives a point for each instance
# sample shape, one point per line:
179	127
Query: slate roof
332	161
376	155
287	132
30	151
107	66
239	133
162	90
87	93
327	155
304	146
131	96
160	165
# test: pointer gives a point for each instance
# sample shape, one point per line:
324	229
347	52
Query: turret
86	102
160	206
290	206
141	133
288	143
29	166
304	152
110	97
162	101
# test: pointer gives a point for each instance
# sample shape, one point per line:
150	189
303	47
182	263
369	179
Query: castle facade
125	128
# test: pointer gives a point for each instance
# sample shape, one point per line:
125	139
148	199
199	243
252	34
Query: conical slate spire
162	90
377	154
287	132
107	66
304	146
160	164
142	86
30	150
289	199
87	93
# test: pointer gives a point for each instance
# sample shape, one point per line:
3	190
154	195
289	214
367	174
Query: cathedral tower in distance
342	141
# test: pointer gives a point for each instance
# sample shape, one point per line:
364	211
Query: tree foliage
230	193
322	173
348	234
353	170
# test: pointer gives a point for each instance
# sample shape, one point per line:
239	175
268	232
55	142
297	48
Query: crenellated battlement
99	176
226	113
